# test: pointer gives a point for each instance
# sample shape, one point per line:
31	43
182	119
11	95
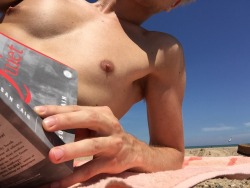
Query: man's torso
112	57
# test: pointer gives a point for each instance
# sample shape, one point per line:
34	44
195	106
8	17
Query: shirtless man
118	63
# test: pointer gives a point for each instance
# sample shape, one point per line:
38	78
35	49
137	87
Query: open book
27	79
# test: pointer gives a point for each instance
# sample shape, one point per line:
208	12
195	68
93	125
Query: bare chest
111	66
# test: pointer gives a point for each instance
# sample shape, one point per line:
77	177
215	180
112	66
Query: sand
212	151
218	182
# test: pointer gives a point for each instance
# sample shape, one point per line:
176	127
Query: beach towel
195	170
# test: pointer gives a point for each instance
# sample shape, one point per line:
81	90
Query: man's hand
102	137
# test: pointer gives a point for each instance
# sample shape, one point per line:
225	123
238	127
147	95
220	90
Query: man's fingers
87	147
87	171
98	165
49	110
98	119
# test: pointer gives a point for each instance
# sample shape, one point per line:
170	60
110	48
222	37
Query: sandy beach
218	182
212	151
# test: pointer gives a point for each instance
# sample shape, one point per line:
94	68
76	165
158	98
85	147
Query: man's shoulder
167	47
167	69
164	41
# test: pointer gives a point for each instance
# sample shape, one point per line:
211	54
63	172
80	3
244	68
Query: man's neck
127	10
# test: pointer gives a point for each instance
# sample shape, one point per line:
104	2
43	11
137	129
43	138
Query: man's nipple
107	66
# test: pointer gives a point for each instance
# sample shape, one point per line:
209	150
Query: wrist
155	158
141	151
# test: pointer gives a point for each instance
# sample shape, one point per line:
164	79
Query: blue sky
216	42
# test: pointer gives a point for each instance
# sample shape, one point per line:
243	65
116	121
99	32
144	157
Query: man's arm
113	149
164	96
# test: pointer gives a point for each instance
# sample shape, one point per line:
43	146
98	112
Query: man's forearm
156	158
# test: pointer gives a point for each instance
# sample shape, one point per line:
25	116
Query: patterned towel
194	171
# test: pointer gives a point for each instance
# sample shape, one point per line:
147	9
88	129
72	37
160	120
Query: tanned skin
118	63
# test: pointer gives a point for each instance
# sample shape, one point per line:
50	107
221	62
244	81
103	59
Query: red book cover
27	79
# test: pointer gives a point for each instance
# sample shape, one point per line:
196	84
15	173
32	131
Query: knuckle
109	115
61	121
96	145
117	143
61	118
65	118
93	116
116	125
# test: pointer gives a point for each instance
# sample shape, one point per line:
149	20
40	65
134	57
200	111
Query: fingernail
49	122
55	185
40	109
58	153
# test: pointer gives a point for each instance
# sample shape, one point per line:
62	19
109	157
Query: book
27	79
